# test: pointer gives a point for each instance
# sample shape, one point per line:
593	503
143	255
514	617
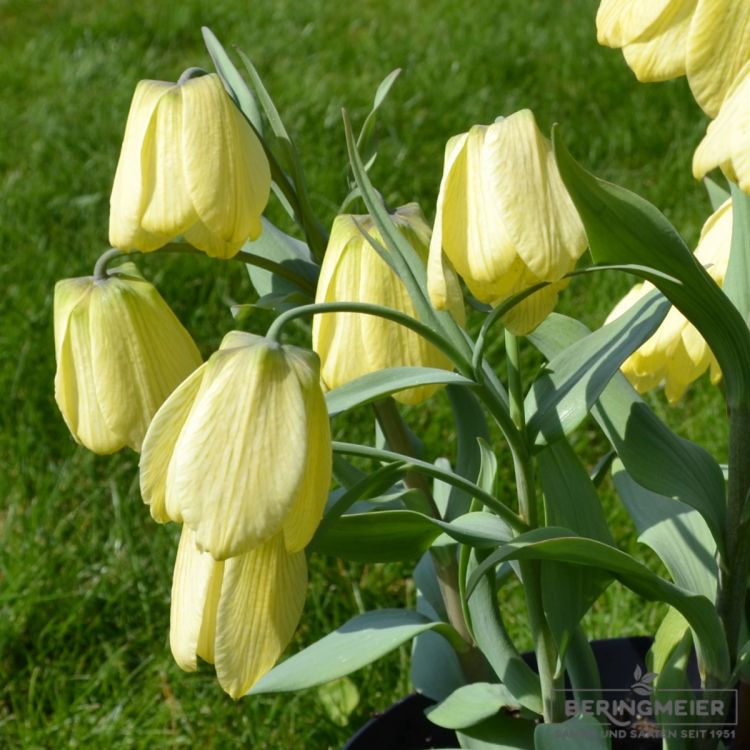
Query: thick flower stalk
727	140
190	167
706	40
505	220
120	352
238	614
352	344
241	451
677	355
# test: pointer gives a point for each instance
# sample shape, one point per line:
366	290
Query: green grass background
84	572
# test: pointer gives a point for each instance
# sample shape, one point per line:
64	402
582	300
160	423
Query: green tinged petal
220	149
195	583
158	446
134	172
262	596
240	457
141	352
718	46
727	140
309	502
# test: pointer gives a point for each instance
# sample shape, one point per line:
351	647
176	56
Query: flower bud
354	344
241	451
190	166
707	40
120	352
505	220
677	355
238	614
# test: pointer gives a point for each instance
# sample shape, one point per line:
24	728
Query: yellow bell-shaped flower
120	352
241	451
351	344
677	355
727	140
707	40
238	614
505	220
190	166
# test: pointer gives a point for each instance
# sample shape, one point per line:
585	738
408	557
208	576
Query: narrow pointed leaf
676	532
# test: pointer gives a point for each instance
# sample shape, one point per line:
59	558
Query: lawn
84	572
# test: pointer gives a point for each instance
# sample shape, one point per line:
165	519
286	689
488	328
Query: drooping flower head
190	166
241	451
707	40
505	220
677	355
352	344
120	352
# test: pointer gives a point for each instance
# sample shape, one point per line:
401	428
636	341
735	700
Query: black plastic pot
405	727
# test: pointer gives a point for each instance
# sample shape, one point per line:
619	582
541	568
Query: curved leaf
562	546
358	642
676	532
382	383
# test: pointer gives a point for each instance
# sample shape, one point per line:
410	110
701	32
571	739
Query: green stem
735	566
394	428
456	480
531	571
100	269
305	285
365	308
302	282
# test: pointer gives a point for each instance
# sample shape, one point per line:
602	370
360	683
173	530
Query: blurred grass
84	573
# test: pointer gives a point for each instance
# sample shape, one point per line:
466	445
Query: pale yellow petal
240	457
131	188
86	421
716	242
718	46
141	353
195	583
168	209
221	149
660	53
529	313
527	191
307	509
727	140
621	22
69	293
437	280
262	596
158	446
